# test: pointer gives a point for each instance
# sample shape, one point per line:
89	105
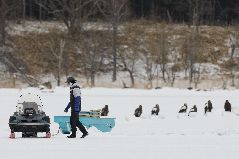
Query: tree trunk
2	30
157	83
163	72
173	78
131	78
24	9
213	12
59	73
186	73
233	48
92	79
58	80
191	73
114	47
195	85
232	78
142	9
31	9
40	13
169	16
59	57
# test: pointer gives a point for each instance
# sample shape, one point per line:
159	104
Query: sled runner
102	124
29	117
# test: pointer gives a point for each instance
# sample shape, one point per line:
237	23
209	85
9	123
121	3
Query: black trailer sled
29	117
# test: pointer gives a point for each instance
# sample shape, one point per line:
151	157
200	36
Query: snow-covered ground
167	136
47	26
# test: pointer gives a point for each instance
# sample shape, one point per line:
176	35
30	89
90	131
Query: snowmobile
29	117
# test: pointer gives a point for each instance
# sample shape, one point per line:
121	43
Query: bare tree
6	9
129	58
42	6
14	65
72	12
23	9
171	73
114	11
131	47
159	47
192	53
193	44
196	11
196	75
192	56
174	66
185	50
92	53
57	50
150	68
210	11
3	18
232	63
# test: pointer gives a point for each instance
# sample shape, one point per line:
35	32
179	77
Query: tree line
213	12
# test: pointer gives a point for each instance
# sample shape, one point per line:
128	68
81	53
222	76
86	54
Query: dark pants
74	121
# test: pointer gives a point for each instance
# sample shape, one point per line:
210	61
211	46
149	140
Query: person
75	105
227	106
208	107
105	111
155	110
138	111
193	109
183	109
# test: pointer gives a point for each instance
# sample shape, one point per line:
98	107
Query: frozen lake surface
167	136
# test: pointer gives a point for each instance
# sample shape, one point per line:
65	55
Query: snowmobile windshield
29	104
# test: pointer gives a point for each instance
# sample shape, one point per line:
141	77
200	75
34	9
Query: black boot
84	135
73	135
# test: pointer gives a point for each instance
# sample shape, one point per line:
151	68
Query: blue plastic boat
102	124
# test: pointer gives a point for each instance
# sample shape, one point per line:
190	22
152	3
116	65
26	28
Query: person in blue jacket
75	105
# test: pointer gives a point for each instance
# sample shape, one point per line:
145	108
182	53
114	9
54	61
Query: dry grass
33	48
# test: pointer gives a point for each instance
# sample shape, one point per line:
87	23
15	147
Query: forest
213	12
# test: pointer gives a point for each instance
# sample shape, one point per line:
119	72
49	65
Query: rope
58	131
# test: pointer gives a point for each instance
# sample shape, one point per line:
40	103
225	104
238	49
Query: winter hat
70	80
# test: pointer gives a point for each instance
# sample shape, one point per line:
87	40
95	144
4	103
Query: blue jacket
75	99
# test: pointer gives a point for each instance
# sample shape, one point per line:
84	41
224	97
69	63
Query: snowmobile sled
89	120
29	117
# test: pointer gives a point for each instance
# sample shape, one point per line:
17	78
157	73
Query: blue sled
102	124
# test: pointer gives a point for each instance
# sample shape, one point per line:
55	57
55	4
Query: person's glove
65	110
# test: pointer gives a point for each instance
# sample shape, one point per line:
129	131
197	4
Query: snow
47	26
208	69
35	27
167	136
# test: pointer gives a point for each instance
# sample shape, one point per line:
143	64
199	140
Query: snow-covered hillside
167	136
139	39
